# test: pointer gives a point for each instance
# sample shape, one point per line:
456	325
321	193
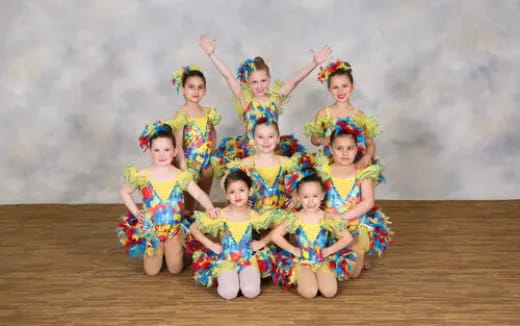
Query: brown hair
261	65
342	71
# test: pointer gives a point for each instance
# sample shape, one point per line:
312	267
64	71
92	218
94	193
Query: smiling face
344	150
310	195
266	137
340	87
259	82
237	193
162	151
194	89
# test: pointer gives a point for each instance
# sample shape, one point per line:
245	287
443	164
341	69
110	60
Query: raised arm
208	46
317	58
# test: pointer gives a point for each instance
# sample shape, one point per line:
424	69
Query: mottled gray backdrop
79	78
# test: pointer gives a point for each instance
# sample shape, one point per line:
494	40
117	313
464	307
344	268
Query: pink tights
247	281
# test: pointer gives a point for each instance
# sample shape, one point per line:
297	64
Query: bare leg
307	282
153	264
327	282
358	266
205	181
228	285
249	282
173	252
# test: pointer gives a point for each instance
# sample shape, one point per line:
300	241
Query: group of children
302	219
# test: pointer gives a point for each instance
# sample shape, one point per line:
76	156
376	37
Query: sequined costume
236	238
239	147
198	139
373	228
163	212
359	124
312	239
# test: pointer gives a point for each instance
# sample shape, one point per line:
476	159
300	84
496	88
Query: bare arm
202	238
179	135
126	195
365	205
202	198
277	236
208	46
320	141
345	238
318	58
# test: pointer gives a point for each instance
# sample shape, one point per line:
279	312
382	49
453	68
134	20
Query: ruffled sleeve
185	178
294	222
180	120
214	116
208	225
133	178
292	163
334	225
371	172
370	125
247	95
276	96
271	218
321	127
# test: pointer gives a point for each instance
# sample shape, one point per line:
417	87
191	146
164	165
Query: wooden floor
453	263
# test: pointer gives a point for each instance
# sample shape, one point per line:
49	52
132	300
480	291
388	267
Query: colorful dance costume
373	228
360	125
163	203
312	239
268	182
198	139
243	146
236	252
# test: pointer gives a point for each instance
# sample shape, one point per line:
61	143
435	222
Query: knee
152	270
227	292
308	292
175	268
329	291
250	290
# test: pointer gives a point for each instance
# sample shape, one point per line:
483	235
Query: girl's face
162	151
194	89
266	138
259	82
344	150
237	193
310	195
340	88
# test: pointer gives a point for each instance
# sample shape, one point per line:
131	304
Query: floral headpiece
352	128
305	166
150	130
245	69
331	68
180	74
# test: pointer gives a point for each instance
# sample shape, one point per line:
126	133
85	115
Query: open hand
322	55
207	45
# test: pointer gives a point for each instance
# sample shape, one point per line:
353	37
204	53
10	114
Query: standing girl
340	84
156	231
195	128
236	262
256	100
